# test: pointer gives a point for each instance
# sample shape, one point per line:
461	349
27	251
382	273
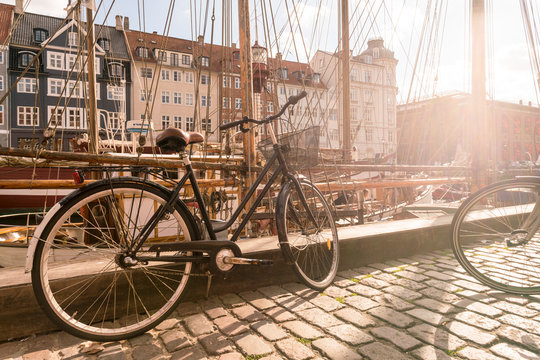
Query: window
226	81
237	103
390	136
282	90
188	76
146	95
146	73
40	35
27	116
115	92
205	61
55	116
177	76
177	99
354	95
189	99
165	75
114	120
237	83
56	61
1	114
284	73
73	89
270	107
27	85
368	96
165	121
236	55
1	56
354	114
161	56
1	82
186	60
165	97
55	87
367	76
226	102
190	124
73	39
354	75
24	59
116	70
206	101
74	118
369	135
174	58
105	44
177	122
206	125
205	79
369	59
142	52
376	53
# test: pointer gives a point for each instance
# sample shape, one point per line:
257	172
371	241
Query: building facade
372	97
6	19
48	104
435	131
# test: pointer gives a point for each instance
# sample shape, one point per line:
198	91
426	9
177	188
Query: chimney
126	23
278	56
530	103
19	6
118	22
520	102
233	45
200	39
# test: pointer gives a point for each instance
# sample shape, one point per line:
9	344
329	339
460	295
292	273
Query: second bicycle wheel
85	278
495	239
312	246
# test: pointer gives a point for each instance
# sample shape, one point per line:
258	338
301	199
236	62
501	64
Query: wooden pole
246	77
479	136
345	66
93	119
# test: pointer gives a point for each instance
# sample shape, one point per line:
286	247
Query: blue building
48	64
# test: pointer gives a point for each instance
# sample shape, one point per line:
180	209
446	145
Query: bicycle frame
190	175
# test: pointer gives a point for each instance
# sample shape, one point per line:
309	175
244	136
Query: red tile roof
6	17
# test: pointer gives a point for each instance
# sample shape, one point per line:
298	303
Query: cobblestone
424	307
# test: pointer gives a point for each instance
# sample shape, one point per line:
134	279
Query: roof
216	54
23	33
378	43
6	16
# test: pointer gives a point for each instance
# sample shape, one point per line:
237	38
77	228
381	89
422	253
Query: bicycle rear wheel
312	247
492	239
84	278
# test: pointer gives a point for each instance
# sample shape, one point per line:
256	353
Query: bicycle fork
530	227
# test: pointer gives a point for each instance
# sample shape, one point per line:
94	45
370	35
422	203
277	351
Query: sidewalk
422	307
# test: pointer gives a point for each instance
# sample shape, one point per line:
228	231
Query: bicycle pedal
245	261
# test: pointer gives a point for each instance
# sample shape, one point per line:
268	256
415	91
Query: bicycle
496	238
112	259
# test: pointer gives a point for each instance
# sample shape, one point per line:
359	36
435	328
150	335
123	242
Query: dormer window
376	53
25	59
316	78
236	55
105	44
205	61
284	73
73	39
142	52
40	35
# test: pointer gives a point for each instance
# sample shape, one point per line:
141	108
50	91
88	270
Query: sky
443	66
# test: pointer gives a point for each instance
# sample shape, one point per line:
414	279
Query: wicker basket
301	147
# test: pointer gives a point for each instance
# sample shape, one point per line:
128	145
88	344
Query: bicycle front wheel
310	243
87	281
495	239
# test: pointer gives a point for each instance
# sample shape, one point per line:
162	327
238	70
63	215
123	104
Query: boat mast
480	134
93	121
345	70
246	80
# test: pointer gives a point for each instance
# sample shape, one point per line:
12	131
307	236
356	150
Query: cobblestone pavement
422	307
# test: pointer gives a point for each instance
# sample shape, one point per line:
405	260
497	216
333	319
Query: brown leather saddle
176	140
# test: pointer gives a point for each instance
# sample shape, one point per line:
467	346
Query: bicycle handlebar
291	101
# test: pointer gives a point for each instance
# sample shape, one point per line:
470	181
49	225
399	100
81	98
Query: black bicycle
113	258
496	235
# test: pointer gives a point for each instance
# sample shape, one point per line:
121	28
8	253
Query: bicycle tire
489	239
79	274
315	255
